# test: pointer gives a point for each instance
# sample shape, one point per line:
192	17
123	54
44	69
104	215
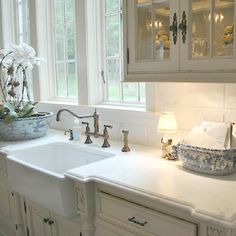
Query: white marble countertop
143	170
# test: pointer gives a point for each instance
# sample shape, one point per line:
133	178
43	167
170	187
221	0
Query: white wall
191	103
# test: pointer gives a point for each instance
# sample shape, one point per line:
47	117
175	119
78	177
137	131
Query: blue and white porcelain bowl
208	161
26	128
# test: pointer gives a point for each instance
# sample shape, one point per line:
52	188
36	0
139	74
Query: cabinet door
151	46
63	227
5	209
210	35
37	220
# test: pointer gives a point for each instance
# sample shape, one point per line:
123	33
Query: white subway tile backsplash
230	96
190	95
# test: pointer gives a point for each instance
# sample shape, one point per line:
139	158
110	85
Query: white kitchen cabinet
170	39
150	49
11	222
41	222
139	220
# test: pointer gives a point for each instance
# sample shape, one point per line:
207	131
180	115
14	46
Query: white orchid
20	55
15	61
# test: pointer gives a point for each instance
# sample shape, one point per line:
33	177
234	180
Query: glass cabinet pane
223	28
161	25
144	31
201	16
153	36
212	23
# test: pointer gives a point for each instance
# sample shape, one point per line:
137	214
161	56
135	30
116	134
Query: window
22	21
23	33
64	33
64	44
115	90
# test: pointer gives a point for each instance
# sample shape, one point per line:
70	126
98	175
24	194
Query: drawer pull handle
133	220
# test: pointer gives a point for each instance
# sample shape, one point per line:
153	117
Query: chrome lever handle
87	130
106	144
108	126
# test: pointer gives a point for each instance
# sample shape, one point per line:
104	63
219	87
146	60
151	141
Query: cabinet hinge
28	234
25	207
127	56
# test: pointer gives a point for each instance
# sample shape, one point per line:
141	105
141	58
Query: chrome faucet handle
126	147
87	131
106	144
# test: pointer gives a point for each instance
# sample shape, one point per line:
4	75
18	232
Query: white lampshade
167	123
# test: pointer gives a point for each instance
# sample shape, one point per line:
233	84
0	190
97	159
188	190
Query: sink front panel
51	192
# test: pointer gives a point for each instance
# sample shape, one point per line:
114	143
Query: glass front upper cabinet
211	36
168	36
152	46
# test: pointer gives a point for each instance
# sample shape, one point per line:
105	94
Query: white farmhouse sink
38	173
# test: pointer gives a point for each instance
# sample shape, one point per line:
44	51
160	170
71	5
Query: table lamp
167	125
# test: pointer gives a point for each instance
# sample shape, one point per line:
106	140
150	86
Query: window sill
126	107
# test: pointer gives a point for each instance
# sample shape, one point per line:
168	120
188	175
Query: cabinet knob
45	220
50	222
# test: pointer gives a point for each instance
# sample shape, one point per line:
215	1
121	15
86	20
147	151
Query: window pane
59	29
65	48
72	81
23	34
22	21
142	91
112	5
69	11
70	38
61	80
130	91
112	35
59	12
59	37
113	79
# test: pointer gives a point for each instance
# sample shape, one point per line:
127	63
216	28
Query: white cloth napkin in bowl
211	135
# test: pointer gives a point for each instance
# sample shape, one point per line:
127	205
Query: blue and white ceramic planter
25	128
208	161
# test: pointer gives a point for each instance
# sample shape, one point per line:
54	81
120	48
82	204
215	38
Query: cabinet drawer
114	209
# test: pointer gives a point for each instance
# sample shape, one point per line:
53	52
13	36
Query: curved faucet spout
67	110
95	117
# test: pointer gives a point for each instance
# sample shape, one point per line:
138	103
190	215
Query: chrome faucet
95	117
88	133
